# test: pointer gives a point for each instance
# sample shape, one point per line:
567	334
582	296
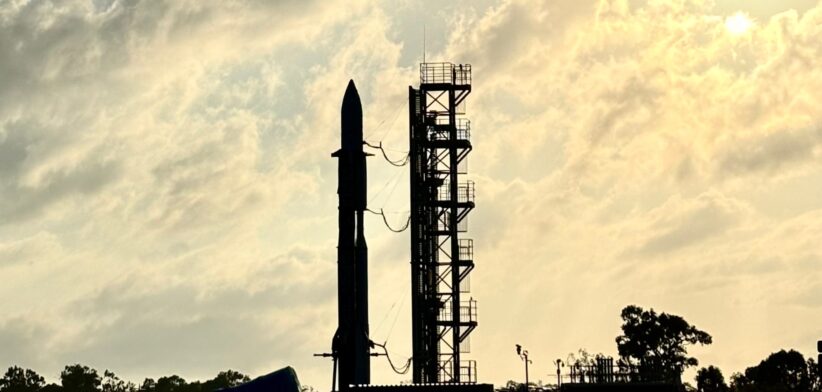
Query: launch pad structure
441	259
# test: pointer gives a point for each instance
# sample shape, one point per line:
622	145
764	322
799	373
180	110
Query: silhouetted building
605	376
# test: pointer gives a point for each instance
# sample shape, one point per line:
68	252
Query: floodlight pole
523	355
559	373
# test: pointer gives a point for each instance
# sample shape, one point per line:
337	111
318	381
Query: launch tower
441	259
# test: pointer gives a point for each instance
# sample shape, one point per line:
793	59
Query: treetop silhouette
656	343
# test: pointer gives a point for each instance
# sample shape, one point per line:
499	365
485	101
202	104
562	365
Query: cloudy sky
167	195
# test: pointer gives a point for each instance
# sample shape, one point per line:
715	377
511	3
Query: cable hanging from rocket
396	163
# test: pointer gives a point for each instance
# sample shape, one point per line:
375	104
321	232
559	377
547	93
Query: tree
227	379
173	383
782	371
79	378
656	343
740	383
148	385
710	379
52	388
112	383
18	380
583	358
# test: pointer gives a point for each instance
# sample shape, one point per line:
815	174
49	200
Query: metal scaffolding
441	260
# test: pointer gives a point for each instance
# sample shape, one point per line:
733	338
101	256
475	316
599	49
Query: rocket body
351	342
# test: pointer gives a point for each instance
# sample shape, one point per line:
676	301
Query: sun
738	23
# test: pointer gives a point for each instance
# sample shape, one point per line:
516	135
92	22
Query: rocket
351	344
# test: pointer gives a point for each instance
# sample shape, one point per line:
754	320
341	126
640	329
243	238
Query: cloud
167	192
21	341
193	327
199	330
771	152
676	226
37	248
144	140
809	297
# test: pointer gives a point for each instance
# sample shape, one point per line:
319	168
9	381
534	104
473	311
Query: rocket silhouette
351	344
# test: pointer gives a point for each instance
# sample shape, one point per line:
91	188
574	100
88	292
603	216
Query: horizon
169	201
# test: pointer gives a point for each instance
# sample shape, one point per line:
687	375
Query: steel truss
441	260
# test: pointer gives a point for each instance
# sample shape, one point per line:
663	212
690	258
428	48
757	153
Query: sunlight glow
738	23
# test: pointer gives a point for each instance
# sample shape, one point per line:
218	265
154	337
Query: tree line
80	378
782	371
654	347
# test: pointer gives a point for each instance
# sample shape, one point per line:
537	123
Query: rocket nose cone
351	118
351	88
351	99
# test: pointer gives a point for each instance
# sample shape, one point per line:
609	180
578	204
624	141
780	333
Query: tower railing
440	131
468	371
465	192
463	129
445	73
468	311
466	249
